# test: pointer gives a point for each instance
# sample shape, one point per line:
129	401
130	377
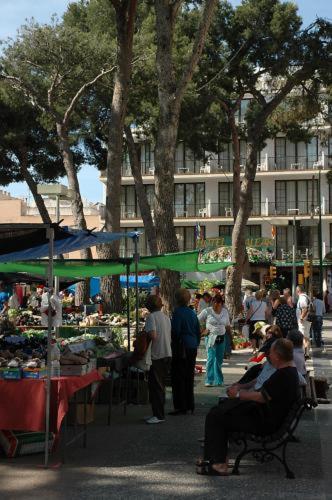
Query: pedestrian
317	323
158	328
326	301
257	313
216	320
247	299
204	302
302	312
186	337
288	296
258	412
285	316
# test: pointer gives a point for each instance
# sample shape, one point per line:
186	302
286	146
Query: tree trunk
235	273
125	17
40	204
170	95
236	163
142	198
82	292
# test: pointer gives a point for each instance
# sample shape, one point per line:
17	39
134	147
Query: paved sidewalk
132	460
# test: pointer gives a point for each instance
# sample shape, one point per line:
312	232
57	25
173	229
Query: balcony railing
223	165
302	253
225	209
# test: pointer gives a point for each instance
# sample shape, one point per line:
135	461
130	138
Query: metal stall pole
128	304
294	260
136	259
320	236
50	235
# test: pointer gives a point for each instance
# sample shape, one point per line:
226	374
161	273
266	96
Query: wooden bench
264	447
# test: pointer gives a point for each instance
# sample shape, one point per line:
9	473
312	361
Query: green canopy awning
181	261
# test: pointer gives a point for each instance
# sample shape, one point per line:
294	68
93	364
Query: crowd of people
281	330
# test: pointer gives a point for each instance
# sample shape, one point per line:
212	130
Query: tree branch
197	48
78	94
17	84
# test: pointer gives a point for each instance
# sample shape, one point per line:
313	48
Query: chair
264	447
130	214
296	166
202	212
318	164
228	212
205	169
151	170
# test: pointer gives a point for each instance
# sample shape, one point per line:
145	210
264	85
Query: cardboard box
76	413
12	373
34	373
73	370
17	443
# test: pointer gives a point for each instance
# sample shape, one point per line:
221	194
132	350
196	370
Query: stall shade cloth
74	240
181	261
20	237
22	402
145	282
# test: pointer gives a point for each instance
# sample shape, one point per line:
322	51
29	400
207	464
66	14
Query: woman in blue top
216	320
186	337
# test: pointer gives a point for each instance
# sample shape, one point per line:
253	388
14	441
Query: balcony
210	210
223	166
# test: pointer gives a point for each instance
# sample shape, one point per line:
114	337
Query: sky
15	12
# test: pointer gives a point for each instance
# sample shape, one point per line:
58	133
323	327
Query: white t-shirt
258	309
161	324
303	302
56	305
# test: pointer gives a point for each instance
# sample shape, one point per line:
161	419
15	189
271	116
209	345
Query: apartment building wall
294	166
18	211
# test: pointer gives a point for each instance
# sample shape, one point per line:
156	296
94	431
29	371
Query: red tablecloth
22	402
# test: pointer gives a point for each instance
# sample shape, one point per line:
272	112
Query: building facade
287	194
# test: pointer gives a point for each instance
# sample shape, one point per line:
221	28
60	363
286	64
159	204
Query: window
226	198
306	242
280	152
186	236
312	151
147	158
301	195
189	199
225	157
127	247
128	202
241	112
126	169
225	230
252	231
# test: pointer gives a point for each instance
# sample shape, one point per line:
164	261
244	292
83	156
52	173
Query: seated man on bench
259	412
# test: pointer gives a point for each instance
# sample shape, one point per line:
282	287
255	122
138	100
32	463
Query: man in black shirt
259	412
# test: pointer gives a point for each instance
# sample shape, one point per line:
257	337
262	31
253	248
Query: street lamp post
58	192
294	212
320	239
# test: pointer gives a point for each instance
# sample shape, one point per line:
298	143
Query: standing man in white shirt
302	311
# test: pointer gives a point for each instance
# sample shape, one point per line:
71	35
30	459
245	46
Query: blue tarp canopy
146	282
65	241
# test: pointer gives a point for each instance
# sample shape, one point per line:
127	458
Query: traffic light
273	272
306	268
300	279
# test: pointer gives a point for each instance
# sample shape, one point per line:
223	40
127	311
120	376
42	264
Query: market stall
22	242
